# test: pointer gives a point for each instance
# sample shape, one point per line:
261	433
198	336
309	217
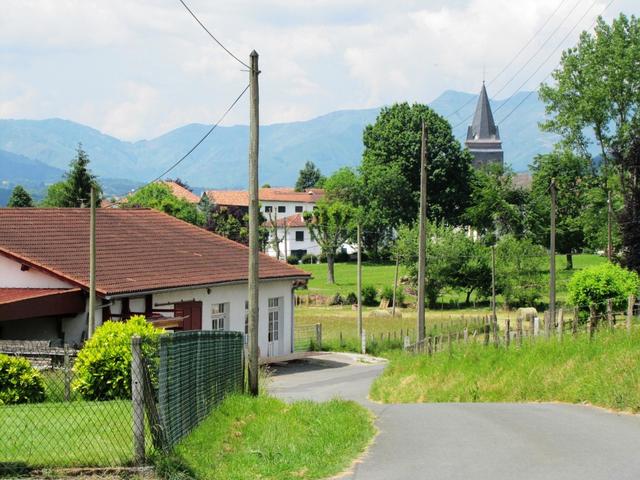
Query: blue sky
138	69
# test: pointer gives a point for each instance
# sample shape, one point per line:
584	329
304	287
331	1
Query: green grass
66	434
604	372
250	438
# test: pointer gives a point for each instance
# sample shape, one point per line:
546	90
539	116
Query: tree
331	225
574	177
79	181
309	177
497	206
596	90
20	198
56	195
159	197
392	153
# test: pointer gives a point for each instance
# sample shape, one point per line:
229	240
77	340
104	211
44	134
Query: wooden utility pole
422	247
552	260
395	284
92	265
609	219
359	287
494	319
253	224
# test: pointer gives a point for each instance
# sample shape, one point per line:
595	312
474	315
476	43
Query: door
192	311
275	333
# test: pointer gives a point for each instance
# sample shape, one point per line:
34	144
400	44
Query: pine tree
309	177
78	182
20	198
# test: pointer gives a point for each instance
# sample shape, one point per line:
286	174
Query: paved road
472	441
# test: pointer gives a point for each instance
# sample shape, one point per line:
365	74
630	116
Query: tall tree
574	177
330	225
392	152
78	182
160	197
309	177
20	198
56	195
596	90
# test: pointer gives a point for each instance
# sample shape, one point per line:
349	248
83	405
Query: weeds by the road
604	371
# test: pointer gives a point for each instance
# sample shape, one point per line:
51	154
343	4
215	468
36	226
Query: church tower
483	137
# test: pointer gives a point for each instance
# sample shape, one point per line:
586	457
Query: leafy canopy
20	198
160	197
309	177
597	284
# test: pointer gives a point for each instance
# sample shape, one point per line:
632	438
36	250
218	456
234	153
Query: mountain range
36	152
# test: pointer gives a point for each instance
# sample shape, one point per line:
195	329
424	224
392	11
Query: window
219	316
298	208
268	208
300	236
282	209
274	319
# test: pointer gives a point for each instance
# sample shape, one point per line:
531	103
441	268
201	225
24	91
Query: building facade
483	136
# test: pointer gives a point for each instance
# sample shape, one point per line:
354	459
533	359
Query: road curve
492	441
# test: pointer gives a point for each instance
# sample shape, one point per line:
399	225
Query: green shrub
595	285
103	366
19	381
342	257
309	258
292	260
387	294
369	295
351	299
336	299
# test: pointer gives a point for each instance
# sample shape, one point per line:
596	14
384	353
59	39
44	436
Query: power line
201	140
514	58
546	60
212	36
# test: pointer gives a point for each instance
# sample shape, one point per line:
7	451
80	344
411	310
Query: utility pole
92	265
395	283
552	261
609	216
253	225
493	287
359	287
422	247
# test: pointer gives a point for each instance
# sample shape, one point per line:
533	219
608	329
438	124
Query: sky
137	69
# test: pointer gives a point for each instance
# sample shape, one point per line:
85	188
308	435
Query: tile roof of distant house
138	250
181	192
240	198
295	221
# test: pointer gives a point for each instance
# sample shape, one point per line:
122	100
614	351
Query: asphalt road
471	440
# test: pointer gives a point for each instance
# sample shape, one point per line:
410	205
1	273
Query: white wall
311	246
236	295
290	208
12	277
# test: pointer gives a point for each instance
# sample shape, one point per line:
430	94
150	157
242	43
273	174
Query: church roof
483	126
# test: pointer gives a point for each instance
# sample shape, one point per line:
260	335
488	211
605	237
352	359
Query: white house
294	237
179	276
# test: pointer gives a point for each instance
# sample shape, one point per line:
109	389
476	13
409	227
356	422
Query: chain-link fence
60	409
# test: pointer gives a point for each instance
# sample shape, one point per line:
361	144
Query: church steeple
483	136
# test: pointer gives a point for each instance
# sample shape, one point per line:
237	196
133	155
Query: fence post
465	333
319	335
487	329
610	313
406	343
507	333
591	324
519	330
630	303
494	328
576	318
363	342
560	323
137	399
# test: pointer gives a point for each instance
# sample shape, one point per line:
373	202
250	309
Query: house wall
11	276
236	295
290	208
311	246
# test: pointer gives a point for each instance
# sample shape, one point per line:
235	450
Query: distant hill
331	141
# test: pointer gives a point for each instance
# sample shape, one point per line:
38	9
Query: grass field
604	372
381	275
66	434
250	438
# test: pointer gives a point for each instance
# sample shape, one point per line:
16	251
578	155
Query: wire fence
55	412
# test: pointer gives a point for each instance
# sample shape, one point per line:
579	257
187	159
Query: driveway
467	441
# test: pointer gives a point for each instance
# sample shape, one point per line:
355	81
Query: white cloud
137	69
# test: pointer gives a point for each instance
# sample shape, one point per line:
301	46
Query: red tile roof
10	295
295	221
137	249
181	192
240	198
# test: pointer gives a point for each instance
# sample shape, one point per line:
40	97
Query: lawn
263	437
66	434
604	372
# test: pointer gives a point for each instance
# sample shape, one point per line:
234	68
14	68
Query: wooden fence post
519	331
465	334
630	303
137	399
319	335
67	374
576	319
507	333
487	331
610	313
560	323
591	324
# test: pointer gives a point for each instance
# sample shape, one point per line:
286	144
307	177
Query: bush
292	260
309	258
369	295
336	299
387	294
351	299
19	381
595	285
103	366
342	256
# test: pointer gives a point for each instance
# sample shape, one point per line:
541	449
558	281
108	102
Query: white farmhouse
294	237
179	276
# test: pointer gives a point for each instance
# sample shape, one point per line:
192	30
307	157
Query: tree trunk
330	275
569	261
468	300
